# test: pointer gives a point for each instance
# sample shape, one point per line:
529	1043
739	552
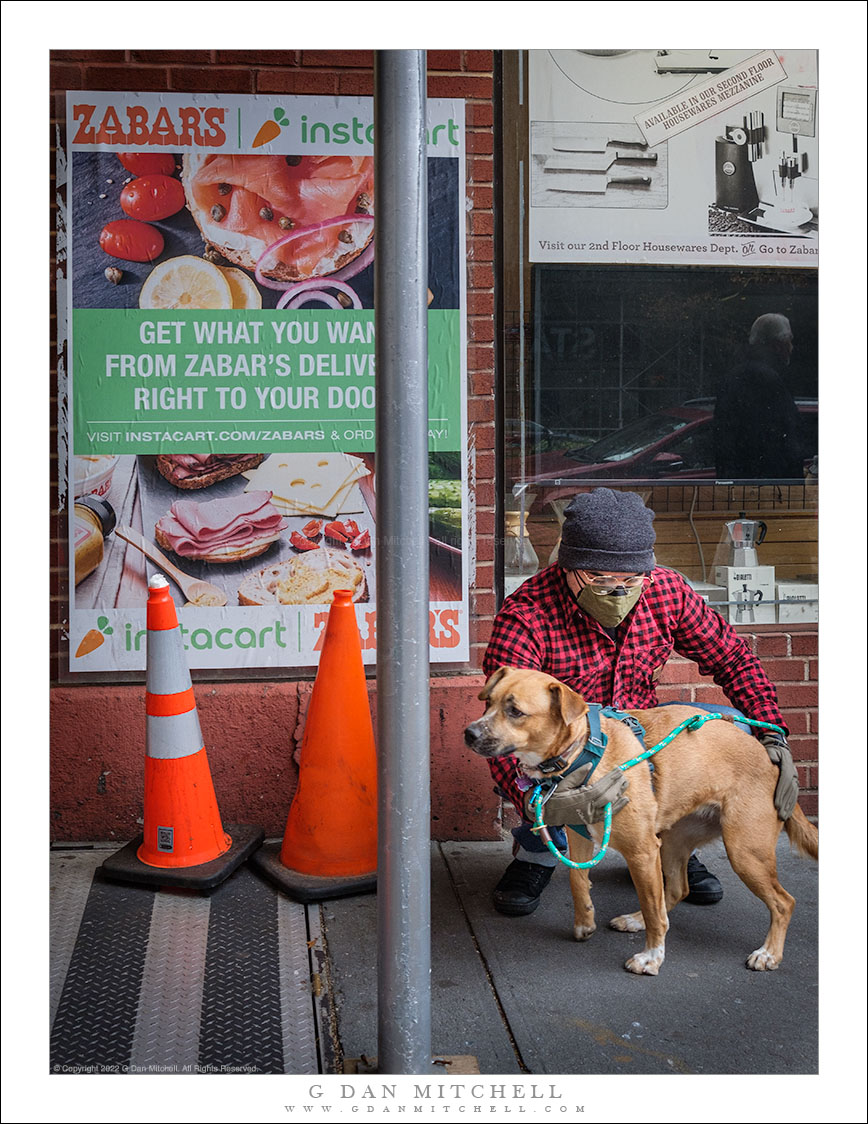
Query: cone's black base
126	866
309	887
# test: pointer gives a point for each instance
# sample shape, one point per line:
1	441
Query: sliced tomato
131	240
362	541
301	543
148	163
336	531
312	529
151	198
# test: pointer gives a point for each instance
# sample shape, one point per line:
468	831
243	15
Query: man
604	620
756	420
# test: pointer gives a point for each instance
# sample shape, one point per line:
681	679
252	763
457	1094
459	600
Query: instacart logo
93	639
269	130
204	639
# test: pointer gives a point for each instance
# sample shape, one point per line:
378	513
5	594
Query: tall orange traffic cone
329	848
183	843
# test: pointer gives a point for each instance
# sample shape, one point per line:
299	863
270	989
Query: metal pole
400	289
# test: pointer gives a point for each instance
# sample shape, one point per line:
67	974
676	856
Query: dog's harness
597	740
592	752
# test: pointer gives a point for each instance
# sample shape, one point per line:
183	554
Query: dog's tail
803	835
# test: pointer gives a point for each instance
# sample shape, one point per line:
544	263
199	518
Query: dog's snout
473	733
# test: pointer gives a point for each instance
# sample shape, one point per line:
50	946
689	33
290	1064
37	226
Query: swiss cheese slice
308	483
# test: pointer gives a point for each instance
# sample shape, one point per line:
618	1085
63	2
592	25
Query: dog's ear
566	703
492	682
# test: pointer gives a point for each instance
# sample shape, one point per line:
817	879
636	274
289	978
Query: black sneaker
518	892
705	889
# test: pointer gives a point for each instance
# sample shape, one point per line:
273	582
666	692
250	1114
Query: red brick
480	328
259	58
785	670
813	669
137	78
483	604
444	60
478	113
480	142
484	464
89	56
803	749
485	549
809	804
481	382
480	358
480	276
483	436
458	86
772	645
813	718
485	522
797	722
480	410
480	303
804	775
674	695
64	77
208	80
805	643
797	696
339	60
480	248
482	196
485	495
710	696
480	169
680	671
479	60
356	84
171	56
482	222
296	82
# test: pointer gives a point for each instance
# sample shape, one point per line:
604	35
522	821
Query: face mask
608	608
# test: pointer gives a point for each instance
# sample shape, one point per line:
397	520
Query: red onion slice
341	220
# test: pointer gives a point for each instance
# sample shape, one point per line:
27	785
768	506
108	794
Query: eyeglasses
610	581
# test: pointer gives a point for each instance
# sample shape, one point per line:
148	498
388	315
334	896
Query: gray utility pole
403	738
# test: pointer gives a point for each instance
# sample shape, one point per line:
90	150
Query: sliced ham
194	529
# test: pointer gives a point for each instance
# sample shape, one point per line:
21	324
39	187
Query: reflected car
674	444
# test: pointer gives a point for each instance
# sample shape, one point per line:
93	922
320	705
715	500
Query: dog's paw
628	922
584	932
646	963
761	960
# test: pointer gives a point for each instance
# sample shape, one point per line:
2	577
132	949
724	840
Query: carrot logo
92	640
270	130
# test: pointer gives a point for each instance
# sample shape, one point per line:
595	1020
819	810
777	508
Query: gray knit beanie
607	531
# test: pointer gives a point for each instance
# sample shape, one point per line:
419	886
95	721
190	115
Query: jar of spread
94	520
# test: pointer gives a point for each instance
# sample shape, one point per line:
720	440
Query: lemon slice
244	291
186	282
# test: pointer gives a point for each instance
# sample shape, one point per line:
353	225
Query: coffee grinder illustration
734	157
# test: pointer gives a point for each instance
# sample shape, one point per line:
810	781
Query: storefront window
645	376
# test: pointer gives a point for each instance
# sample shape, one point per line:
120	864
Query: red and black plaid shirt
540	626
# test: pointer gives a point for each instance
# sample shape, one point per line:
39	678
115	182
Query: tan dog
713	781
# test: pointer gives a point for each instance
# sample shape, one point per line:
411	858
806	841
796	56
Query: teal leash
536	802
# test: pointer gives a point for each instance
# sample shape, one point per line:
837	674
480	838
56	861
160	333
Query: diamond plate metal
296	1001
96	1016
241	1028
71	874
166	1038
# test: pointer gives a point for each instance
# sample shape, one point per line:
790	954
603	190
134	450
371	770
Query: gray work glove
570	803
787	791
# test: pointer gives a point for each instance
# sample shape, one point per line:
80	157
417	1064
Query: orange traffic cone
329	848
183	843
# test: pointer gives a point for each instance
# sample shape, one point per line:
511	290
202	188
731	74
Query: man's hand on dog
572	804
787	791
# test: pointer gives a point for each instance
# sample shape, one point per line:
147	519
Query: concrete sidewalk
247	981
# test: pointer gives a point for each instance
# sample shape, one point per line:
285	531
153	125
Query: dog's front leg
643	863
581	850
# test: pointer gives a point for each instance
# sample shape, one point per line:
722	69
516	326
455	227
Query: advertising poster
703	157
221	382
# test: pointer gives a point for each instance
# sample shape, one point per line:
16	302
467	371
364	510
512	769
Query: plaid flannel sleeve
513	643
704	636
